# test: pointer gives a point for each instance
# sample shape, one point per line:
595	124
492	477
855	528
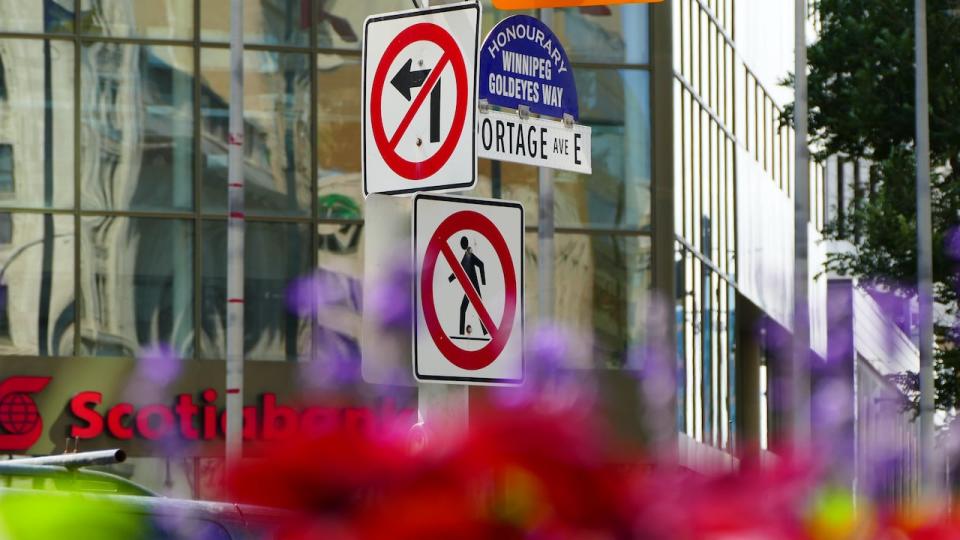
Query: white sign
419	99
468	290
534	141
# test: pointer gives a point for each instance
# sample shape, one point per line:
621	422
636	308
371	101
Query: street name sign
468	290
523	67
534	141
523	64
419	100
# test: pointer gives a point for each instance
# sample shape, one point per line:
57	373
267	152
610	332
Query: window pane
36	285
616	104
616	34
276	254
36	123
36	15
137	121
600	287
513	181
340	268
338	137
159	19
136	285
272	22
276	131
341	21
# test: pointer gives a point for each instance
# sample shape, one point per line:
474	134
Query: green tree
861	88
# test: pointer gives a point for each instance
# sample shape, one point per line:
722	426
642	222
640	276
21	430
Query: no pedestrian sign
468	290
419	100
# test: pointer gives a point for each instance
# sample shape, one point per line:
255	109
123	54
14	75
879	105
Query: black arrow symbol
405	79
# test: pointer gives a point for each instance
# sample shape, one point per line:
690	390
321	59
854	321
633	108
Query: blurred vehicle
60	497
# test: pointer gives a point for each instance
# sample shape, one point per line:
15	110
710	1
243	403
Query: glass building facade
727	132
113	162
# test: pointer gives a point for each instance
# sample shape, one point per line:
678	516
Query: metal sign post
545	229
435	148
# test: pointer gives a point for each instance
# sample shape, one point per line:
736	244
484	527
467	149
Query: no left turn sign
419	100
468	290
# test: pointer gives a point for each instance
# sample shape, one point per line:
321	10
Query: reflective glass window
36	16
275	254
513	181
37	304
276	131
36	124
338	137
137	127
269	22
340	270
159	19
136	284
6	169
616	104
606	34
601	284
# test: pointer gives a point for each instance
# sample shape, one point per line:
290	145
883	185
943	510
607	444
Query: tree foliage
861	91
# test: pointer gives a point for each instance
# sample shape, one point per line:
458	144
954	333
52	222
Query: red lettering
209	414
82	406
278	422
318	420
115	423
249	423
358	420
162	413
186	410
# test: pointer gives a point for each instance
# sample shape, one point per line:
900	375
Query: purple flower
308	295
952	241
159	364
392	300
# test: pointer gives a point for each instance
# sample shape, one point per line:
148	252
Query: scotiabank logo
19	416
200	419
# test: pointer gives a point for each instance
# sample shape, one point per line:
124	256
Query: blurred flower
309	295
158	366
392	300
952	243
530	473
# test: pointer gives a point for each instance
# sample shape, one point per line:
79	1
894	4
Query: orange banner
530	4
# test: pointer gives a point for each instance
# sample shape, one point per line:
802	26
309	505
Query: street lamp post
928	470
799	383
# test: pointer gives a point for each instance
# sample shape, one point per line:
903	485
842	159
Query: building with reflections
113	169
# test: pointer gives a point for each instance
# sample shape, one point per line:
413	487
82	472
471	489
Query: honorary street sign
534	141
419	100
523	63
468	290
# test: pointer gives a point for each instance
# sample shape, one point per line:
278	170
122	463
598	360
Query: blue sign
523	63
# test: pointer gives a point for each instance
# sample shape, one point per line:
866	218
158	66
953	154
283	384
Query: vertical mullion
314	164
77	169
197	185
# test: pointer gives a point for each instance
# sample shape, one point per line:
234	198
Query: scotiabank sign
38	413
199	418
19	416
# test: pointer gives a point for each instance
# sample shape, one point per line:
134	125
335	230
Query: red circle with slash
468	220
418	170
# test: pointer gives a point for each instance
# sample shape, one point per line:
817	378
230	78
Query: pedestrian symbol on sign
470	265
462	247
